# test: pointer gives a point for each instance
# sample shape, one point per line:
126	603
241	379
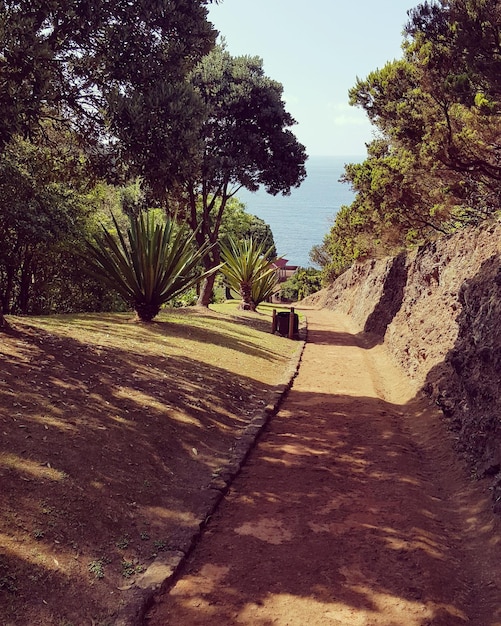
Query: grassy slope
111	432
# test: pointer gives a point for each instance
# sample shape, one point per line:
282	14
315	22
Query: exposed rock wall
438	310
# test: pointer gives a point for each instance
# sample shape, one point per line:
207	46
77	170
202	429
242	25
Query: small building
284	271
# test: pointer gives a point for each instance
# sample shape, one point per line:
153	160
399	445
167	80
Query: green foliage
263	287
156	263
133	197
238	224
130	568
245	141
248	271
434	165
110	70
48	208
41	218
246	131
110	76
187	298
320	255
97	568
303	283
261	232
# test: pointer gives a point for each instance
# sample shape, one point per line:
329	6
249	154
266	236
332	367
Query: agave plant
155	264
264	287
247	270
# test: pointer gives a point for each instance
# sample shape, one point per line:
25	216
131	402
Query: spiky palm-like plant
264	287
152	264
245	267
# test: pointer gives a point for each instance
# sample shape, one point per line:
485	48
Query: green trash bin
283	323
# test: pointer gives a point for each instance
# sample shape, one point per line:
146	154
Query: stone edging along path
166	564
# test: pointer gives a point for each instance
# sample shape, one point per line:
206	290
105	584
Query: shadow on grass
107	454
238	333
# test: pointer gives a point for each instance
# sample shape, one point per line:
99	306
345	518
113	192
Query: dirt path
351	511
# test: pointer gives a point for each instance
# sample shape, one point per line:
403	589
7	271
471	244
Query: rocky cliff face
438	310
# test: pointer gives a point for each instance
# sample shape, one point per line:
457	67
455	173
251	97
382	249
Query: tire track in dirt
352	510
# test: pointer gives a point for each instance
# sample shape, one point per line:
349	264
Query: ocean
301	220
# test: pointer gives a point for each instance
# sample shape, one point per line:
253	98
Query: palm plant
264	287
157	263
247	270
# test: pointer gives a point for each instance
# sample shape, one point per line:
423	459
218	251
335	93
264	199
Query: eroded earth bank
438	312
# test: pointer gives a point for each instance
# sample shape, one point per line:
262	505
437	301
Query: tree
113	72
443	99
434	166
261	232
92	62
40	213
238	224
245	142
455	45
246	268
156	263
398	203
303	283
319	255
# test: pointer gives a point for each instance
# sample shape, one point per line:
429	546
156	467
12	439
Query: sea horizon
302	219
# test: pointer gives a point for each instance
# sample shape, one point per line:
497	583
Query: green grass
112	430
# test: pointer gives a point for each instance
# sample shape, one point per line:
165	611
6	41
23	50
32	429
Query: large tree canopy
436	162
247	136
106	67
444	97
112	74
456	50
245	141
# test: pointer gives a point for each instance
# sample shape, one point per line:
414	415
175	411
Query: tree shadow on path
339	517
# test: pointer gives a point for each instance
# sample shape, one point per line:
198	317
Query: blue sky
316	49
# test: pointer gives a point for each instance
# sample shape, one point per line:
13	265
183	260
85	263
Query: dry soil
353	509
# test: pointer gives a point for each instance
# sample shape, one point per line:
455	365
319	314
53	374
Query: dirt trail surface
352	510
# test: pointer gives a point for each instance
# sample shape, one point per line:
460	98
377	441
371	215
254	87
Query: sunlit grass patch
118	427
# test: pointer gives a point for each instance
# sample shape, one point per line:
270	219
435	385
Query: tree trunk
25	284
246	293
146	311
211	260
4	324
6	297
206	289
